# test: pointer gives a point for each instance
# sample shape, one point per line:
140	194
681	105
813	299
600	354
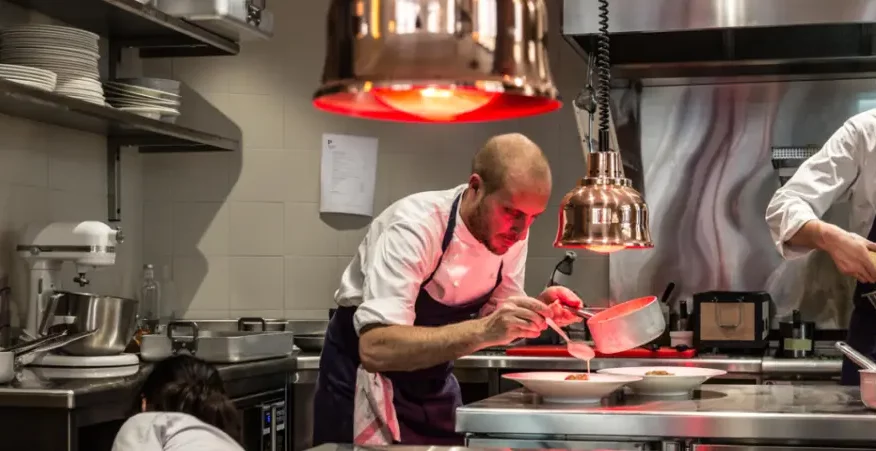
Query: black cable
603	69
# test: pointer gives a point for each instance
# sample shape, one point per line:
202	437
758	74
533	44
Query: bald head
510	159
509	187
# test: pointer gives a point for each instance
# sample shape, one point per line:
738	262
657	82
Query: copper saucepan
626	325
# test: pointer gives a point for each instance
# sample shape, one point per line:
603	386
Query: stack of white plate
139	96
29	76
71	53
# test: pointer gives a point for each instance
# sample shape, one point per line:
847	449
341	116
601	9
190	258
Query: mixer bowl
113	318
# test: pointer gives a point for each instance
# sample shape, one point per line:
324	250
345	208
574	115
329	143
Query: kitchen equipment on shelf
604	213
797	337
29	76
665	380
155	98
70	53
626	325
553	386
114	319
26	353
867	373
309	342
238	20
89	245
786	160
637	353
389	61
577	349
215	347
732	321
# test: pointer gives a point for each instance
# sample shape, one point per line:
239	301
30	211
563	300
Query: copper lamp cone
437	60
604	213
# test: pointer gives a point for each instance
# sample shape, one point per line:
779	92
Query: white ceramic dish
554	387
683	380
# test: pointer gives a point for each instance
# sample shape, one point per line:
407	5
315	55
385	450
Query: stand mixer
89	245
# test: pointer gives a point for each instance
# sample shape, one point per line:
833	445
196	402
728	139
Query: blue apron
862	326
425	400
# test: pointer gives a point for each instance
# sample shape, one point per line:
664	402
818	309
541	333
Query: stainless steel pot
112	318
868	374
309	342
625	326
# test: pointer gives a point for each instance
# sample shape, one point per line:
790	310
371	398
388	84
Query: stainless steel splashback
705	155
682	38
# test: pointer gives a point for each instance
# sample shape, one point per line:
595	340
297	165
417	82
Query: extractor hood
705	38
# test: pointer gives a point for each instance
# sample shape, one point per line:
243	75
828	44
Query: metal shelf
132	24
120	127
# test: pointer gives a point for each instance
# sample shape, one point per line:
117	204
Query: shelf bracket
114	180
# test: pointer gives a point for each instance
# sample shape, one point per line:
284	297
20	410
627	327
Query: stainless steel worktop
34	391
825	413
737	365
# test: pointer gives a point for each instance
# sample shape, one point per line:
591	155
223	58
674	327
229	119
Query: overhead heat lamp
437	60
603	213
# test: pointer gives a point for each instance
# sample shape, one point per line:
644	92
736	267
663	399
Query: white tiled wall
241	233
49	173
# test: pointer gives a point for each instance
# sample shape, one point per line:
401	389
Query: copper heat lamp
604	213
437	60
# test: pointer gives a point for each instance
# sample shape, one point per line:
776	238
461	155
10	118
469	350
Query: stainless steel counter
765	413
735	365
34	391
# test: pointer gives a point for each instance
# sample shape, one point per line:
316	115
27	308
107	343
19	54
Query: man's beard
480	228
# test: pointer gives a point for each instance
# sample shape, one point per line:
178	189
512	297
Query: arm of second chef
794	213
397	263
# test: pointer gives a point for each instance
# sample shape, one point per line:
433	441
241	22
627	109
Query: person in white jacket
184	405
844	169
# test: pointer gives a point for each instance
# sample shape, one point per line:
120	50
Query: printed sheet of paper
348	174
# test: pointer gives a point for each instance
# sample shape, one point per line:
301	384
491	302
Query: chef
844	169
438	276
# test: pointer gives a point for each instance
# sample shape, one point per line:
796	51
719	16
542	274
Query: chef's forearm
815	234
409	348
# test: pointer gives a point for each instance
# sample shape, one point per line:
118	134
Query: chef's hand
515	317
557	296
851	253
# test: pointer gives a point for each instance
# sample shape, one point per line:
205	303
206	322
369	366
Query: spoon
577	349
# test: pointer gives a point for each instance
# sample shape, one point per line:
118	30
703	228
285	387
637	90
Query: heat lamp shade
437	60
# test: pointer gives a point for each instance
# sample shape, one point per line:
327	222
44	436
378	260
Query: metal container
867	373
112	318
215	347
242	20
625	326
245	324
310	342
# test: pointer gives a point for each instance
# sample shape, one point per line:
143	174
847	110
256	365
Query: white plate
683	380
554	387
50	30
140	90
42	86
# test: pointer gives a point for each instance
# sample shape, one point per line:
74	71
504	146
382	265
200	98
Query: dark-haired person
438	276
184	407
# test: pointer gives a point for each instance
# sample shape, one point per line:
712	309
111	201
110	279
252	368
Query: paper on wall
348	174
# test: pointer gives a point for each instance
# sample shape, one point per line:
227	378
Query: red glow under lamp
430	104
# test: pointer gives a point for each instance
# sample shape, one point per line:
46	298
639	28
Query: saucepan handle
583	313
855	356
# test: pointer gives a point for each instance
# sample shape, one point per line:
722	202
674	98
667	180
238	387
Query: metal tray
215	346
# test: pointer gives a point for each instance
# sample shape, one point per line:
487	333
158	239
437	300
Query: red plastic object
434	105
637	353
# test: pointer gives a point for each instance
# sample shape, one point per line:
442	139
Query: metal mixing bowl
113	318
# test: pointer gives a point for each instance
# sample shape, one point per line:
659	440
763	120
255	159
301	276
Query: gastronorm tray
215	346
638	353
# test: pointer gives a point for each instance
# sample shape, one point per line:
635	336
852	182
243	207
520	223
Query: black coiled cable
603	69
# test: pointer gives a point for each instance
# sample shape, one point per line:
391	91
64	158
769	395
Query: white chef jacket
171	431
403	247
844	169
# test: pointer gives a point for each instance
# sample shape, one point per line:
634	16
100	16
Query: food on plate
577	377
659	373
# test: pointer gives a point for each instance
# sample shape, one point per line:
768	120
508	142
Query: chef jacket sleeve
398	261
820	181
513	274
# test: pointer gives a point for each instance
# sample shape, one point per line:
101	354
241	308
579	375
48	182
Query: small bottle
682	324
150	303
